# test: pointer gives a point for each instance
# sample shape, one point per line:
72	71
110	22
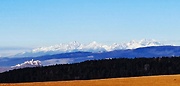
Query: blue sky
31	23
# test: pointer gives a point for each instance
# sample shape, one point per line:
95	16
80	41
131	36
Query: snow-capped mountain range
91	47
76	52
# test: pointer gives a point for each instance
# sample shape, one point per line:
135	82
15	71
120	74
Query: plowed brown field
168	80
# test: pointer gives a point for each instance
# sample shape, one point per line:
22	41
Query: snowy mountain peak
31	63
150	42
91	47
142	43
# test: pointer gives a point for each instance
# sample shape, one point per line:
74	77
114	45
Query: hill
168	80
95	69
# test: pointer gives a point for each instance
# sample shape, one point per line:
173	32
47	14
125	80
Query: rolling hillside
95	69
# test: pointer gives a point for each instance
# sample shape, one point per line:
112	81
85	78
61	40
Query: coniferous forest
95	69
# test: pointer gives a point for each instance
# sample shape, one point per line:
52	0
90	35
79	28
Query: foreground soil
168	80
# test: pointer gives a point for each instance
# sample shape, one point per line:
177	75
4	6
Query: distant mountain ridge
72	57
76	52
91	47
76	57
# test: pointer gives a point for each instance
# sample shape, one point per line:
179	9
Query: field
168	80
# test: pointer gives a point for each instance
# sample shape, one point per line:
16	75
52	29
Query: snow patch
90	56
56	61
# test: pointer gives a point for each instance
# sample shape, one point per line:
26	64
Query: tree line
95	69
